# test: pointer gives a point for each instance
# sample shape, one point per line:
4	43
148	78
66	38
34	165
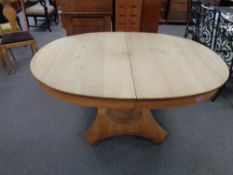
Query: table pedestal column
110	122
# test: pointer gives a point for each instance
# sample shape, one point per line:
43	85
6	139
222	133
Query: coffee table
125	75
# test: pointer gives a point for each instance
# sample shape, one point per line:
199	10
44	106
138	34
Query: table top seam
131	68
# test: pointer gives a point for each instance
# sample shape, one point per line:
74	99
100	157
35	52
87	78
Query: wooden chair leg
12	54
34	48
10	66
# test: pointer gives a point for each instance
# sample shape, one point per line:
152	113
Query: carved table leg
111	123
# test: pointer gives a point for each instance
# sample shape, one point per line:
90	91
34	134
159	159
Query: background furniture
80	16
150	77
41	9
175	11
16	38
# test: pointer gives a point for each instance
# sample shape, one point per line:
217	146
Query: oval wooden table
125	75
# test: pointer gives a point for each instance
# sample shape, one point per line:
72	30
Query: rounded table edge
126	103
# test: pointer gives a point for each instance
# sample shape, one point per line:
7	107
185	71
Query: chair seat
39	10
16	37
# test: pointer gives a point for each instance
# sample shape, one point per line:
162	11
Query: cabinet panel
151	11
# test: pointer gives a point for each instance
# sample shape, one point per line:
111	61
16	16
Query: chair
224	43
193	19
207	25
16	38
43	10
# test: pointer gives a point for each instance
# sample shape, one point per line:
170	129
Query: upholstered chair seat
16	37
39	10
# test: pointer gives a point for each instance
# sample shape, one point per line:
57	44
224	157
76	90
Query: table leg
110	122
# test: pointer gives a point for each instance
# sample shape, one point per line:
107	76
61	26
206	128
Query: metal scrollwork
193	19
224	40
207	25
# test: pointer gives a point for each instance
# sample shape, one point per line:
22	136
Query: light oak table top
134	66
125	74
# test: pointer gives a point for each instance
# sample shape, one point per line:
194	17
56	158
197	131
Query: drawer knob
134	5
133	22
122	22
134	14
122	14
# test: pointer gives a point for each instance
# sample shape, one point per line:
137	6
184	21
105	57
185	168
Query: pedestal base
111	123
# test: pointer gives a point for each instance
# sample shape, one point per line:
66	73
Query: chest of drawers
128	15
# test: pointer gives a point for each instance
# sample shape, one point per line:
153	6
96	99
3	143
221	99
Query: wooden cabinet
79	16
80	23
128	15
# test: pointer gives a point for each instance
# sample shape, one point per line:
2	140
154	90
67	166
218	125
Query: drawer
133	21
128	13
134	4
135	13
121	22
129	21
132	29
128	28
128	5
88	21
121	4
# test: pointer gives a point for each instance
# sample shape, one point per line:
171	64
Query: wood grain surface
171	67
129	66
